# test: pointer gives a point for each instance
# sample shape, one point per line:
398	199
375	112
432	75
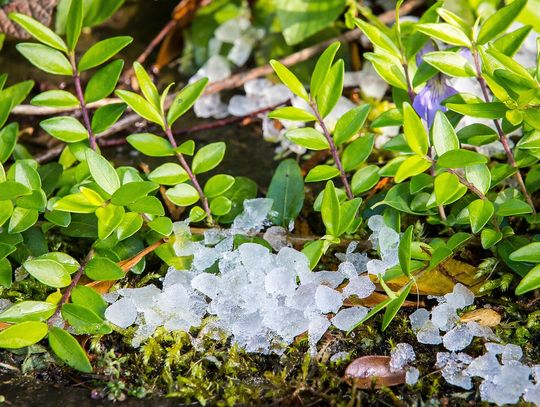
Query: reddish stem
80	96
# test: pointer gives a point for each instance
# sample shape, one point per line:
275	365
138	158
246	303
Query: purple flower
428	101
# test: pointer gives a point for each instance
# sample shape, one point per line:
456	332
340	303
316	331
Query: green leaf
102	51
40	32
444	136
450	63
162	225
186	148
461	158
208	157
48	272
168	174
394	305
479	176
89	298
378	37
348	212
528	283
106	116
6	273
513	207
415	132
22	219
490	238
146	85
84	320
74	23
140	106
68	350
185	99
151	145
330	210
308	137
55	98
65	128
22	335
322	173
102	171
446	33
8	141
480	212
103	82
45	58
357	152
131	223
322	68
109	217
404	251
289	79
350	123
500	21
132	191
364	179
183	195
292	114
103	269
287	191
331	89
28	311
68	262
491	110
148	204
12	189
388	68
301	19
218	185
509	43
412	166
77	203
448	189
529	253
220	206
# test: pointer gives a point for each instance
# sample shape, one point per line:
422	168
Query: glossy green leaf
500	21
513	207
8	140
89	298
39	31
330	210
83	320
183	195
461	158
130	224
287	191
55	98
22	219
103	82
292	114
74	23
220	206
322	173
109	217
530	282
102	51
415	132
394	306
490	237
168	174
448	189
218	185
491	110
357	152
322	68
378	37
185	99
45	58
289	79
331	89
102	171
151	145
444	136
68	350
162	225
450	63
140	106
105	116
350	123
28	311
103	269
480	212
480	176
148	204
208	157
529	253
446	33
65	128
308	137
364	179
412	166
48	272
132	191
23	334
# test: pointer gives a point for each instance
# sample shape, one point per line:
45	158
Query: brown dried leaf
483	316
4	325
369	372
40	10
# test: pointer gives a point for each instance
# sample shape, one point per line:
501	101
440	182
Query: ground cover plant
399	224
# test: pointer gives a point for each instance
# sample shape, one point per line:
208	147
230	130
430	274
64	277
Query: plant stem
80	96
410	90
191	176
442	213
74	281
333	150
500	132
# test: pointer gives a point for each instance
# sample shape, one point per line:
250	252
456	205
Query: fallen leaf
40	10
4	325
483	316
375	298
369	372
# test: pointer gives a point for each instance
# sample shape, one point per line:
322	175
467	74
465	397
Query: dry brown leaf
369	372
441	280
483	316
376	298
40	10
4	325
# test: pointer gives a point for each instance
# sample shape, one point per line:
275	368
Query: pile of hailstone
260	299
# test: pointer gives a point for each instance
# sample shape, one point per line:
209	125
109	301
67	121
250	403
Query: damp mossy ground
192	369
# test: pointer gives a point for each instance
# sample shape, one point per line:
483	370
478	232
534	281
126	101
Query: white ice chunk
444	316
362	287
419	318
348	317
254	215
401	356
429	334
327	299
206	283
457	338
453	367
485	366
411	376
460	297
122	313
281	281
